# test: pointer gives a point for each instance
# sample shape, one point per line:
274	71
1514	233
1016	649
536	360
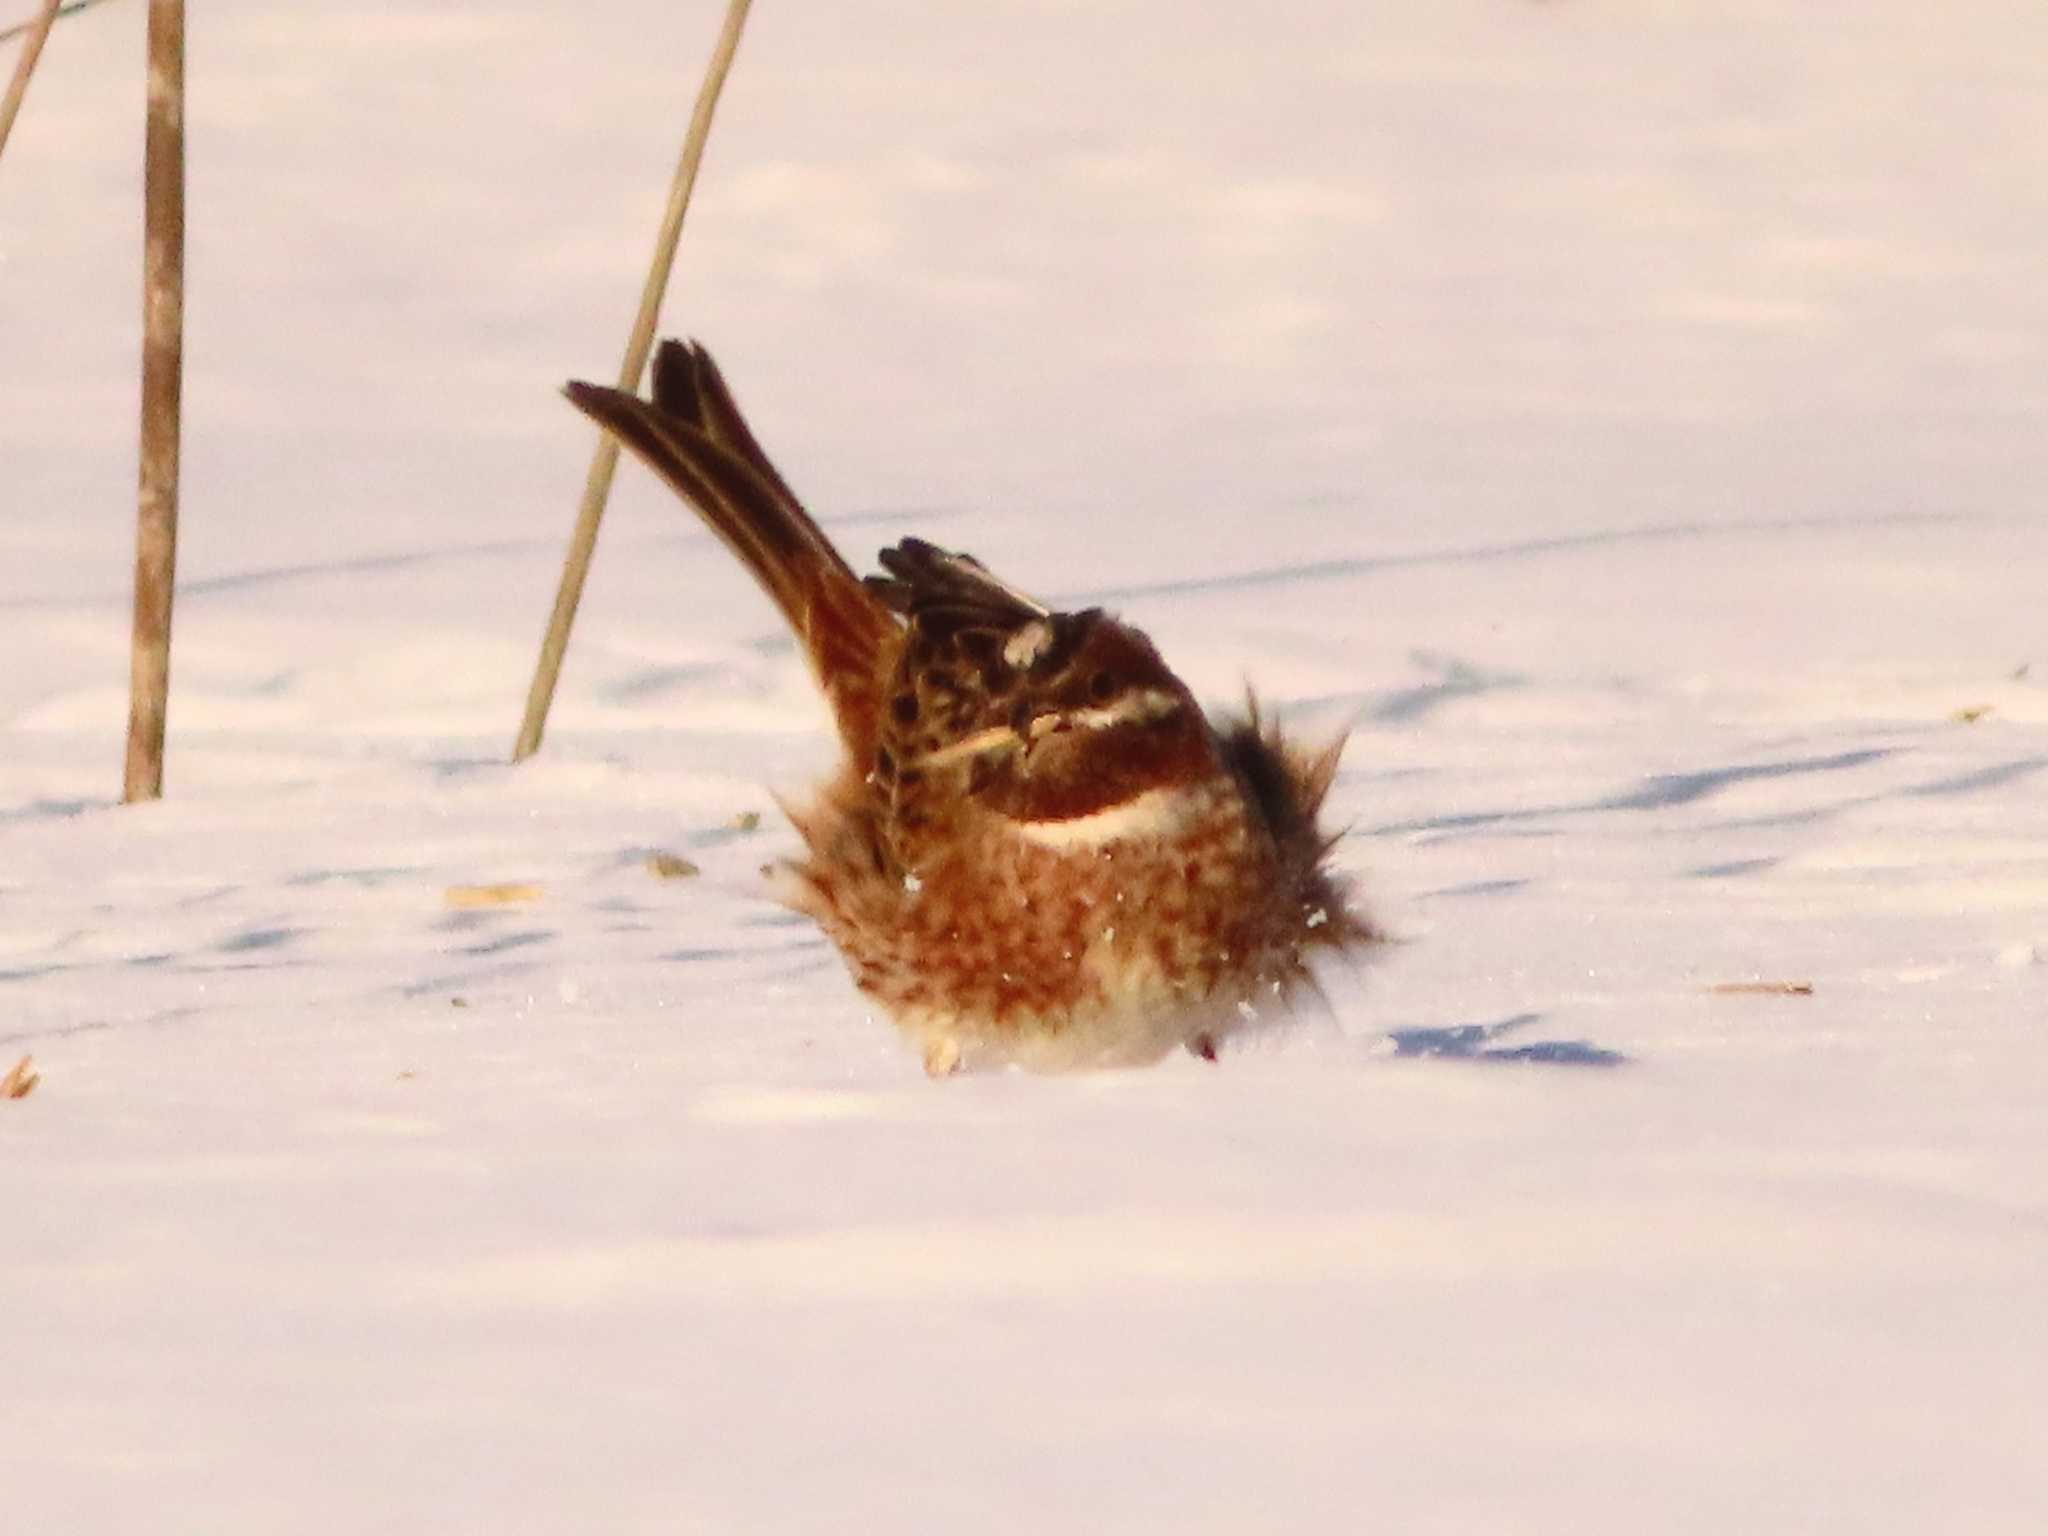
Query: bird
1037	850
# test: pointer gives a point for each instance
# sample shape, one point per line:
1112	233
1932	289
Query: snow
1627	417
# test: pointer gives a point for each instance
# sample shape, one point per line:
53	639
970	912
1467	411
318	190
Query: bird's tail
692	435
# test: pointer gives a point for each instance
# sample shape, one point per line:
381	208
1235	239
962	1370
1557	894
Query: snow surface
1630	415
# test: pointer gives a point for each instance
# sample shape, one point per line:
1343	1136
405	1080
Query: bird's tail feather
693	436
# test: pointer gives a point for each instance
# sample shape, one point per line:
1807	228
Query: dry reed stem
163	343
25	66
69	7
598	483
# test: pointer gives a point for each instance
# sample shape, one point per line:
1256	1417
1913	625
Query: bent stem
604	461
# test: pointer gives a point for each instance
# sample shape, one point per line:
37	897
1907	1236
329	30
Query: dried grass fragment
510	893
670	866
21	1079
1762	989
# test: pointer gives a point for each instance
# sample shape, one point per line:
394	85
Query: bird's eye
1102	687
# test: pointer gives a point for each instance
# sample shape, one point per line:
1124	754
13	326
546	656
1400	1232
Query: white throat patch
1153	814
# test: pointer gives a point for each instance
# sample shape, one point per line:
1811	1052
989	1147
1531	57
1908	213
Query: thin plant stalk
68	8
598	483
24	66
163	328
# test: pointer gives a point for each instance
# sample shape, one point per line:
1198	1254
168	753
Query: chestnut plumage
1038	850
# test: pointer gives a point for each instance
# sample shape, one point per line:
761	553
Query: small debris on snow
746	821
505	894
21	1079
670	866
1762	989
1972	714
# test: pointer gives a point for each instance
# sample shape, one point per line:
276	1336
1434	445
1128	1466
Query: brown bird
1038	849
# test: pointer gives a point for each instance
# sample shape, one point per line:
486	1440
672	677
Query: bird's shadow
1476	1042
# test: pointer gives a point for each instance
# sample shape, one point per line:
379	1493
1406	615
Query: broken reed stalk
163	329
24	66
9	34
604	461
